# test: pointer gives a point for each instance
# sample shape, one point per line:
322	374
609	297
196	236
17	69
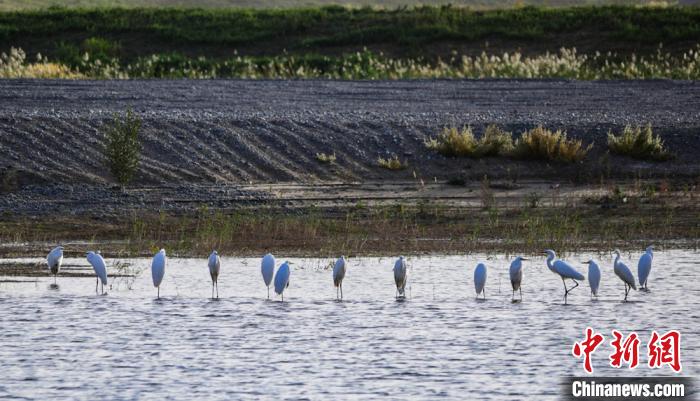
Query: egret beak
524	259
586	263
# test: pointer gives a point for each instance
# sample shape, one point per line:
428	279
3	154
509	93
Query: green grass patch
638	143
403	33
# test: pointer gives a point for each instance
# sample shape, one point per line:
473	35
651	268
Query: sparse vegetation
122	148
639	143
325	158
359	65
392	163
543	144
452	142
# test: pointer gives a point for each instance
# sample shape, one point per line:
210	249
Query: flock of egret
281	278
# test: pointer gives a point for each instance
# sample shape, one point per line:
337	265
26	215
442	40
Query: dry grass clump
392	163
639	143
452	142
14	65
544	144
325	158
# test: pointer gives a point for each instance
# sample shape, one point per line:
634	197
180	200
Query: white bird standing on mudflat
100	268
282	279
624	273
158	269
480	279
593	276
564	270
214	269
400	276
54	260
644	267
338	276
516	275
267	267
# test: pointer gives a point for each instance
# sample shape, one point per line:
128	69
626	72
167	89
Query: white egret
400	276
54	260
100	268
593	276
624	273
214	269
644	267
516	275
564	270
158	269
339	275
267	268
480	279
282	279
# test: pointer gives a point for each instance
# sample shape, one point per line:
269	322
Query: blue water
69	343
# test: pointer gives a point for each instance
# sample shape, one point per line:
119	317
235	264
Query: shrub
544	144
451	142
325	158
392	163
123	146
638	143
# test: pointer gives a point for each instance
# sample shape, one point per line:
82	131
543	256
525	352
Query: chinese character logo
586	348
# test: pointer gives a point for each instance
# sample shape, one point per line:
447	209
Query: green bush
122	148
639	143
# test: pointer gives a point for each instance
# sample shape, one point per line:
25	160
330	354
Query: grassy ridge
431	31
480	4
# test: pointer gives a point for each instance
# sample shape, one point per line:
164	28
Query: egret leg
566	291
512	298
102	287
217	289
627	287
212	290
268	292
483	293
521	292
282	297
97	282
341	291
158	292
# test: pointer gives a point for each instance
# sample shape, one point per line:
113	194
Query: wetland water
68	343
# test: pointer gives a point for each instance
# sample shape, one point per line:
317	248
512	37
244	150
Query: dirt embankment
234	132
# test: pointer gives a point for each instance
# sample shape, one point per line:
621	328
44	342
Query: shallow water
68	343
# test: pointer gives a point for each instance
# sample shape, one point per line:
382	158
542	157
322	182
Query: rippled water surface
68	343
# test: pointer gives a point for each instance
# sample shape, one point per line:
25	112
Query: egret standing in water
400	277
480	280
516	276
158	269
593	276
54	260
214	269
644	267
338	276
564	270
100	268
282	279
624	273
267	268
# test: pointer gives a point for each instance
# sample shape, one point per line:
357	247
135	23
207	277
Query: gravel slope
230	131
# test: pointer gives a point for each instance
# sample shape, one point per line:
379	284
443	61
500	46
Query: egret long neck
617	259
550	258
